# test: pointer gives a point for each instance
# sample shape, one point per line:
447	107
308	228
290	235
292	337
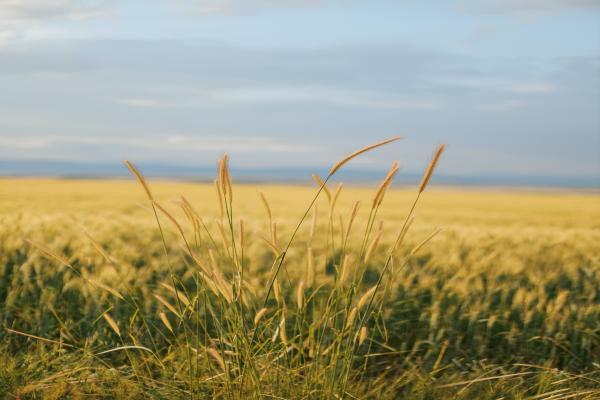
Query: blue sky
512	86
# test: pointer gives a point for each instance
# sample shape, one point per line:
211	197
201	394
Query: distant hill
66	169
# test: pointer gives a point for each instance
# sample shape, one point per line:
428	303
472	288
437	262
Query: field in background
509	291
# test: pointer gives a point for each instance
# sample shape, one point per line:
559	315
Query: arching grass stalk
423	184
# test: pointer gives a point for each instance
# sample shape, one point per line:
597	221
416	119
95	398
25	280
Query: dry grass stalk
366	297
344	271
310	268
440	356
224	177
277	292
282	330
107	288
267	207
165	321
353	214
191	215
313	224
223	236
322	184
335	197
242	234
431	167
385	184
346	159
220	196
42	339
217	357
403	232
362	336
300	295
98	247
431	235
174	222
342	229
166	304
112	324
140	179
49	253
180	295
372	246
223	286
351	317
259	315
274	234
274	248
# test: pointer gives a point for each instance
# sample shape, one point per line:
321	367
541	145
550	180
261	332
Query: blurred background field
511	284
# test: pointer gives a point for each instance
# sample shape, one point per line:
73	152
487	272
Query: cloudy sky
513	86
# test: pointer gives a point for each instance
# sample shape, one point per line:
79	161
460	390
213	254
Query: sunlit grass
504	301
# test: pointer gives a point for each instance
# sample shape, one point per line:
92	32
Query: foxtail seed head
345	160
431	167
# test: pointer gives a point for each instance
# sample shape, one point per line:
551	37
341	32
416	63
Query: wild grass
297	292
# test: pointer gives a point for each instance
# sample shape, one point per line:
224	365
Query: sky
512	86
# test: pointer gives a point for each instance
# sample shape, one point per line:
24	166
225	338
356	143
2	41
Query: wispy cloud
141	102
35	10
18	17
507	105
286	94
531	88
245	6
499	84
524	7
33	146
332	96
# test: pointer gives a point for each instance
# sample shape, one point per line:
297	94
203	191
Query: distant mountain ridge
68	169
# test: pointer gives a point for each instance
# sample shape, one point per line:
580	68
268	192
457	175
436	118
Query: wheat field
490	293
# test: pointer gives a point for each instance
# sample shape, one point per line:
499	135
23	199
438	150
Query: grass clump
333	305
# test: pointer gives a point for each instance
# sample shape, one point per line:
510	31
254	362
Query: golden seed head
362	336
431	167
140	178
322	184
259	315
385	184
366	297
112	324
346	159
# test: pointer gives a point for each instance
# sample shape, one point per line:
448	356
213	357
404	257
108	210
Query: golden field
504	302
